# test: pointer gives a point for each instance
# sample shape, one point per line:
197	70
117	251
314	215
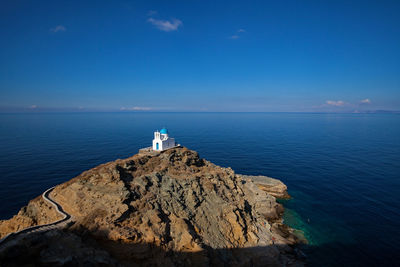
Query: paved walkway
13	238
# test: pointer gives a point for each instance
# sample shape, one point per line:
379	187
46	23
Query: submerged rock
164	209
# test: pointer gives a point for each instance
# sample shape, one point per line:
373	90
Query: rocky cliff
171	208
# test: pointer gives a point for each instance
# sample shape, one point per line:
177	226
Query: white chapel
162	141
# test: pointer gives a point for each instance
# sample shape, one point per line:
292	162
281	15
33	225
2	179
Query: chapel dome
164	131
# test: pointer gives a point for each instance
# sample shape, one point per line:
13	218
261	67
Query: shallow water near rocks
342	170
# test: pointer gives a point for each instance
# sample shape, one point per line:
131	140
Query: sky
211	56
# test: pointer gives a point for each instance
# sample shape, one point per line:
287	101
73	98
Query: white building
162	141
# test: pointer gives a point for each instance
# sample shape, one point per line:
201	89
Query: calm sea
343	170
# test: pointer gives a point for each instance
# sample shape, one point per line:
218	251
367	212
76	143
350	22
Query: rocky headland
169	208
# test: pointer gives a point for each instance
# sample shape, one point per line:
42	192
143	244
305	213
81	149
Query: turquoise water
342	170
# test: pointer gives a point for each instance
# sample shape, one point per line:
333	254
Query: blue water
343	170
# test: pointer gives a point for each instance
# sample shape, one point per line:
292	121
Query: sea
342	170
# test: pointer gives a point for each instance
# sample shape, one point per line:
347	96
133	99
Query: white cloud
166	25
365	101
152	13
59	28
136	108
237	35
335	103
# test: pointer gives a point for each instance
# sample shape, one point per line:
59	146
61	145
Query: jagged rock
172	209
37	212
270	185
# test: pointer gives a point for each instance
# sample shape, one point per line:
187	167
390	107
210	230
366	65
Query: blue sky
200	55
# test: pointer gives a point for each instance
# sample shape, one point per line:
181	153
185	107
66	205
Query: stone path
13	238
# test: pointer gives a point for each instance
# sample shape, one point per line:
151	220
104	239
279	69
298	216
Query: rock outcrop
272	186
170	208
37	212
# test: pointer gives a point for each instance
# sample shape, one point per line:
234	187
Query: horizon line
160	111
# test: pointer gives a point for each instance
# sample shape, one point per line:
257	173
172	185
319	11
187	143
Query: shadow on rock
82	248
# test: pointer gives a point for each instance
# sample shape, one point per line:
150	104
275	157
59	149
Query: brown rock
37	212
270	185
172	208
